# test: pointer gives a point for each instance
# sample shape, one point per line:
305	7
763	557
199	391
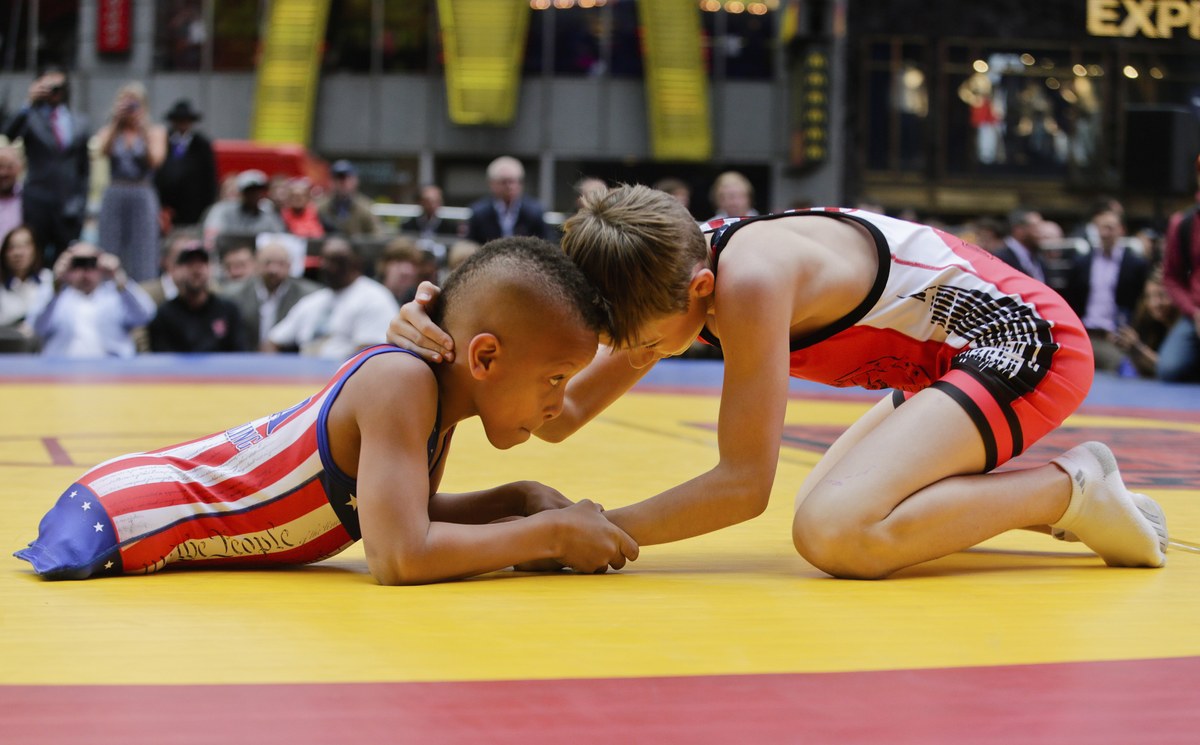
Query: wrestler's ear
703	283
482	352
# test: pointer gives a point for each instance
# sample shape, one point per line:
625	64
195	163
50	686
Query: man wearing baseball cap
348	211
249	215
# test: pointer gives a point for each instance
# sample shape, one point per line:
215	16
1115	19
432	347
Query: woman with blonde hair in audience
135	147
732	195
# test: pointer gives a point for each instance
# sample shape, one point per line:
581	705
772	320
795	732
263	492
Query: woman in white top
21	276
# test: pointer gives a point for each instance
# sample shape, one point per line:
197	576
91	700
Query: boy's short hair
639	247
535	265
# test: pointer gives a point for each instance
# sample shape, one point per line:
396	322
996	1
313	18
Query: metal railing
405	211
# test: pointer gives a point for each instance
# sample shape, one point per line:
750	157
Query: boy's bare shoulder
393	379
761	254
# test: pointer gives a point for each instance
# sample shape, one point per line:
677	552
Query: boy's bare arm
518	499
392	405
749	428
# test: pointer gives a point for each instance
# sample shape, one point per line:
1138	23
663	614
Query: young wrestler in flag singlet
363	457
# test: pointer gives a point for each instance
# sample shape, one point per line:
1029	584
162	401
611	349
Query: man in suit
1104	287
54	196
1020	249
187	179
507	211
428	225
264	299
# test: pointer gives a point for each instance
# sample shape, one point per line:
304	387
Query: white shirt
507	215
72	324
336	324
268	307
18	299
1101	311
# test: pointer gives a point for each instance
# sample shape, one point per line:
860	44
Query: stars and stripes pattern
267	492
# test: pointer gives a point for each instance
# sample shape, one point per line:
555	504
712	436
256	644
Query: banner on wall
112	26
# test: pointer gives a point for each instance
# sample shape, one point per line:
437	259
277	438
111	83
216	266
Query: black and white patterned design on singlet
1006	340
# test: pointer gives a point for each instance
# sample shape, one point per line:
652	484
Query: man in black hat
187	179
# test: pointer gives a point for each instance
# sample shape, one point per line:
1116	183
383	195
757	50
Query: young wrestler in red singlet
984	362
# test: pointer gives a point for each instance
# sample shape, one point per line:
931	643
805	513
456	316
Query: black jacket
187	183
1131	279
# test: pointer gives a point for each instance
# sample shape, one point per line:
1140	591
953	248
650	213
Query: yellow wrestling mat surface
732	603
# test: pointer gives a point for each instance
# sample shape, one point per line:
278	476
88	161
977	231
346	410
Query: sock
1124	528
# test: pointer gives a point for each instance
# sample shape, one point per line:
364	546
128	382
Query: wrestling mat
726	638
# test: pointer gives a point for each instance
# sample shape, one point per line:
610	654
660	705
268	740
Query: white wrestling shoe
1126	529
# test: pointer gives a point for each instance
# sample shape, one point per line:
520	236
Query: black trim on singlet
720	240
977	417
338	484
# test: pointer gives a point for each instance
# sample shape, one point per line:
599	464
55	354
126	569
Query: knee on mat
841	548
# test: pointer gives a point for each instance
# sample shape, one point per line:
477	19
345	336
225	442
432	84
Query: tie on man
54	125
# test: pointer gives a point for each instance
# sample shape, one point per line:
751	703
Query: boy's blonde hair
639	247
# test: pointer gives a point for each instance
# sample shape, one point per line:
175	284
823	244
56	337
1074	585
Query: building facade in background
908	104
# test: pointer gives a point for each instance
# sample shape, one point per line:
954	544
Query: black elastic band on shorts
976	414
1004	397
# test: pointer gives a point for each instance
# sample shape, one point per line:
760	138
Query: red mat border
1152	701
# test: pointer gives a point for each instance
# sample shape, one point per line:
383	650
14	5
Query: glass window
405	38
748	44
235	37
1027	112
626	40
535	41
348	36
578	41
181	35
897	106
1154	78
740	39
57	34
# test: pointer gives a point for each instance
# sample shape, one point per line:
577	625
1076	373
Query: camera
84	262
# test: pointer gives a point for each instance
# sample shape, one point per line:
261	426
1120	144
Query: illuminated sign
1154	19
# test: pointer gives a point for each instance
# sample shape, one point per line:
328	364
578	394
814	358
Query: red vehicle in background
235	156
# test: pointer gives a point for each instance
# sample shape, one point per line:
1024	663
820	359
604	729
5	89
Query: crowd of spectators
179	263
1135	293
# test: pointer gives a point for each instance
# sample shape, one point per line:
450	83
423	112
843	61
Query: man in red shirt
1179	355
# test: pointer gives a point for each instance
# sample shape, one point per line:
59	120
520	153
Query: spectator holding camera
135	147
54	196
91	308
